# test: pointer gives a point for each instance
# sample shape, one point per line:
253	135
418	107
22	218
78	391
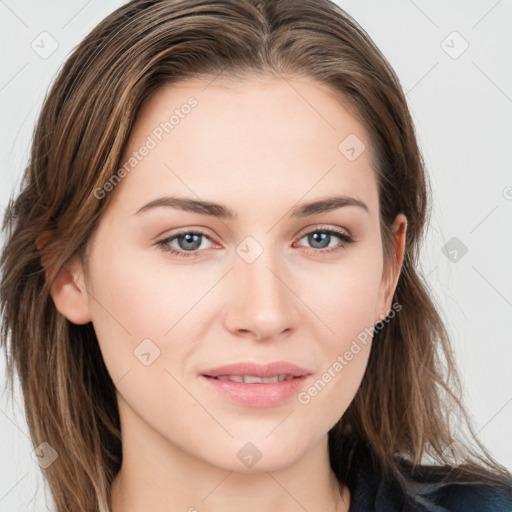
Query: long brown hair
410	392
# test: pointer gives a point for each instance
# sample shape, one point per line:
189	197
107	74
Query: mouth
252	379
249	372
256	393
252	385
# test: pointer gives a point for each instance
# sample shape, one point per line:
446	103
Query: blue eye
189	242
190	239
319	237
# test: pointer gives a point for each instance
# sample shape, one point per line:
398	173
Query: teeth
254	380
249	379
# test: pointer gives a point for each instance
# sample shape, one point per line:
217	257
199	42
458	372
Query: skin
260	147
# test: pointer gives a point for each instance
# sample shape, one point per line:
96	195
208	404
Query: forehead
243	141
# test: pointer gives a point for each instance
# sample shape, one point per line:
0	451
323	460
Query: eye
189	243
320	239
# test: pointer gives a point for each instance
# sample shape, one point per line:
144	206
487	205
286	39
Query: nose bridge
261	301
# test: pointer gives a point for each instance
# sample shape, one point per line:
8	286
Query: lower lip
257	395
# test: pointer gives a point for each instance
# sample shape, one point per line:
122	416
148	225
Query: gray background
461	102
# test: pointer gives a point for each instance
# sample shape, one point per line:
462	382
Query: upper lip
258	370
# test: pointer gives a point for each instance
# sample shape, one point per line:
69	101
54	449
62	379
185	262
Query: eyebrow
223	212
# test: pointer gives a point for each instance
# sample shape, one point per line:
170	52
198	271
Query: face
173	293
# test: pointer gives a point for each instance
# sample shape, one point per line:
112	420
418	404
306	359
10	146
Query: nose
262	302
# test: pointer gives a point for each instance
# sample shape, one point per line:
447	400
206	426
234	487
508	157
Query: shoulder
370	492
463	497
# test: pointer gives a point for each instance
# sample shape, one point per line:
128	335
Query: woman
210	289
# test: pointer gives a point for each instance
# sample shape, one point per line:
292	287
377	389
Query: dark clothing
369	492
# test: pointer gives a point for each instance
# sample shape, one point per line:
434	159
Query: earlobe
68	290
70	296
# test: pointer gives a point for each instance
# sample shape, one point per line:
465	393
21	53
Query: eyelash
164	243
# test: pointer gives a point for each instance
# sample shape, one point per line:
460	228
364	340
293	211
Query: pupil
323	237
189	241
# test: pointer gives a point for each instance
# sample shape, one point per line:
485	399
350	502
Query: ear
392	268
68	290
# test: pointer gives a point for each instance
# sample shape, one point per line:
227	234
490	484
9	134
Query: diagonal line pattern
14	76
488	422
119	380
198	301
286	490
76	14
487	281
199	403
430	225
213	79
13	13
421	79
485	15
15	424
281	422
492	81
306	101
494	209
301	300
167	166
506	403
104	308
218	485
424	14
427	276
304	195
1	498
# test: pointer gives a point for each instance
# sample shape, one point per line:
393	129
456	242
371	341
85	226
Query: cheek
345	295
137	297
125	306
142	295
347	309
329	395
346	306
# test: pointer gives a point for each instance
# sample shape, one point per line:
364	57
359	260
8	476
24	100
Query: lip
270	394
257	395
258	370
